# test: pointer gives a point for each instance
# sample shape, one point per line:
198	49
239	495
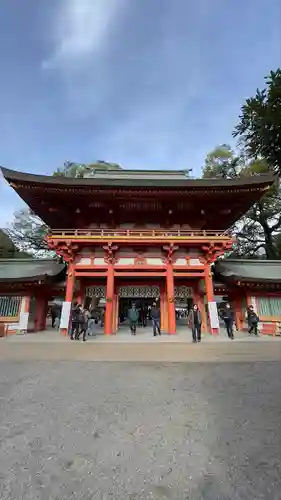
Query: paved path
126	431
51	346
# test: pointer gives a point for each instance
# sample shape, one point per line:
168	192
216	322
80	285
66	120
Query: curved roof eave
259	181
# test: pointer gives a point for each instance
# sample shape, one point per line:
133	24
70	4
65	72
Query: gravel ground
72	430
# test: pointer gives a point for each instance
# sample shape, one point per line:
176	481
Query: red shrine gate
130	228
168	263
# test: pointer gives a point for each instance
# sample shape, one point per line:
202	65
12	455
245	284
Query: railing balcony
138	234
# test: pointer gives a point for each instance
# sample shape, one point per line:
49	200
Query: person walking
155	316
140	320
80	322
102	315
83	320
195	320
54	314
133	316
144	319
228	318
75	312
253	321
91	325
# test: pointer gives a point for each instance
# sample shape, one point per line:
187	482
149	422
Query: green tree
222	163
257	231
80	170
27	231
259	127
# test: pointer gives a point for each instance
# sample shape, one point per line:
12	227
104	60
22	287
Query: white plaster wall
99	261
154	261
180	262
195	262
84	261
125	261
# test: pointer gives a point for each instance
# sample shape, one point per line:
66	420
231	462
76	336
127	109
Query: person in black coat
228	318
155	316
253	321
75	320
195	321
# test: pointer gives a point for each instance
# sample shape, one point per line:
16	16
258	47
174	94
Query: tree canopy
28	231
79	170
257	232
259	127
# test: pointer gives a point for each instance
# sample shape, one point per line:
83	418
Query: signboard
213	314
23	323
65	315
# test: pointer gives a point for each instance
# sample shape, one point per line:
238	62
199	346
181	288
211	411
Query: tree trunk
269	244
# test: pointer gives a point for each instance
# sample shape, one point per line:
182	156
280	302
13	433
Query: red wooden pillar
171	300
209	292
108	319
237	306
162	311
114	313
70	282
41	306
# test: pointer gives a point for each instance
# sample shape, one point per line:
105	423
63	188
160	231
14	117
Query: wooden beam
90	274
186	274
135	273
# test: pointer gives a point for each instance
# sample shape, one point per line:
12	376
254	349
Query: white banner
65	314
213	315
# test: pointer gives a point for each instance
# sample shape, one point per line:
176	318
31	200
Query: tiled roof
249	270
29	269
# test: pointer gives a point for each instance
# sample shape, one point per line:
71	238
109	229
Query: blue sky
144	83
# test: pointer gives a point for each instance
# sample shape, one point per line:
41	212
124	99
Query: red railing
137	233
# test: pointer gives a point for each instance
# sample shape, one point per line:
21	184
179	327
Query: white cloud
80	29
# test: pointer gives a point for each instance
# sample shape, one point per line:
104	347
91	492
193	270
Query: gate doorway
183	304
143	297
143	305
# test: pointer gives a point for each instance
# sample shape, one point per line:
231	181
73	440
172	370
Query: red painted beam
147	274
90	274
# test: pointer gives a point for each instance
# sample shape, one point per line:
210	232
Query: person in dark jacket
228	318
195	320
75	315
133	316
54	314
83	323
253	321
155	316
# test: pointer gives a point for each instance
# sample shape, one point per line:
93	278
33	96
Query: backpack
133	315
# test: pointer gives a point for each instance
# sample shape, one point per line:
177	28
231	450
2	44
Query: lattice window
9	306
268	306
182	291
96	291
139	291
